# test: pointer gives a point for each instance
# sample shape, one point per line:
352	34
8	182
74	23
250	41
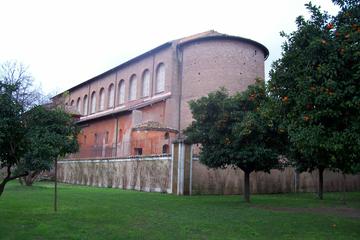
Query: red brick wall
154	113
125	138
148	63
151	142
209	65
99	127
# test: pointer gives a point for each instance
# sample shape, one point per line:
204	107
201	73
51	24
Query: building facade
138	107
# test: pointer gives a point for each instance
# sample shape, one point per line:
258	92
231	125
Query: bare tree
26	94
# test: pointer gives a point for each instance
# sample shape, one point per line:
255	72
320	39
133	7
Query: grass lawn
100	213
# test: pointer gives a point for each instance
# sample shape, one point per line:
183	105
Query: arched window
132	88
102	99
93	102
72	103
166	135
122	91
145	84
165	149
78	105
111	95
160	78
85	105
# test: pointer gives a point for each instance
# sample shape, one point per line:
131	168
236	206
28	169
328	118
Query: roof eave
224	36
125	64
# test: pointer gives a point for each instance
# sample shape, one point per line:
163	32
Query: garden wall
145	174
230	181
183	174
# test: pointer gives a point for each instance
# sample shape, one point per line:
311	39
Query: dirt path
339	211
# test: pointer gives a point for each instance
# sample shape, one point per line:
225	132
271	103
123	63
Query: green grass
100	213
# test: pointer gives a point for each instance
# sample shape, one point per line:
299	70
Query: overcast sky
67	42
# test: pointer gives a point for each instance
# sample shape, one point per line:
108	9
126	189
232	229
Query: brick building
138	107
131	114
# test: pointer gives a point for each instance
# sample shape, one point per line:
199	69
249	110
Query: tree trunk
21	180
9	178
30	179
2	186
247	186
55	188
296	181
344	189
321	183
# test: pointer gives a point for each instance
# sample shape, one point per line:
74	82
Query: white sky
66	42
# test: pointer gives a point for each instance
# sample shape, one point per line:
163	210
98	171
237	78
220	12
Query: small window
106	137
160	78
102	99
93	102
96	139
122	92
84	139
138	151
165	149
72	103
166	135
111	96
132	89
85	105
145	84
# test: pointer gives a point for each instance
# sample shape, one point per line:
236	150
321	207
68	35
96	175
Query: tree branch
17	176
9	177
34	174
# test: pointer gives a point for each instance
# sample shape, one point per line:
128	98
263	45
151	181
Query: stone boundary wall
230	181
150	174
183	174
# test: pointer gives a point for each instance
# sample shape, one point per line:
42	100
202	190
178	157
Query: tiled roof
152	125
210	33
72	110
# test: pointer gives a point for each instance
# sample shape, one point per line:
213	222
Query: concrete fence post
181	168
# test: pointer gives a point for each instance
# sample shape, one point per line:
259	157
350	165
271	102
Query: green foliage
236	131
12	130
315	86
51	134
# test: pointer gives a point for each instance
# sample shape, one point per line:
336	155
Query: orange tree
315	87
236	131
